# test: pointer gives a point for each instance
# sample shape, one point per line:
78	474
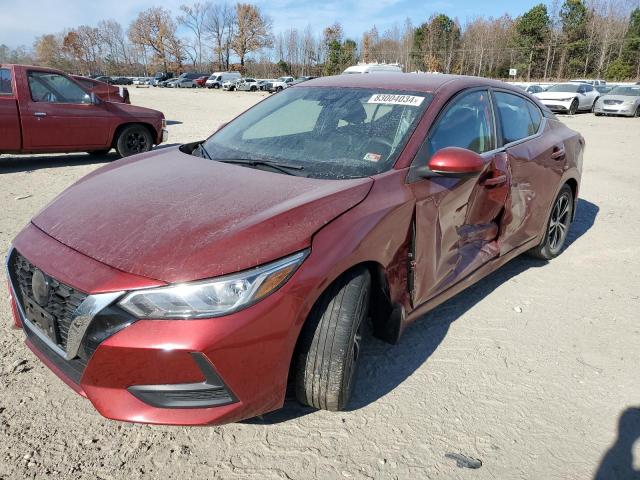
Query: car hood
555	95
175	217
134	111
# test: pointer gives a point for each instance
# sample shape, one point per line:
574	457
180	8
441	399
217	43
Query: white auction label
393	99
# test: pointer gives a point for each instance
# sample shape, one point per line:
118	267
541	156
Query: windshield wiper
281	167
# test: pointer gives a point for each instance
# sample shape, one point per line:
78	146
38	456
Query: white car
593	82
279	84
216	79
229	85
247	85
569	97
622	100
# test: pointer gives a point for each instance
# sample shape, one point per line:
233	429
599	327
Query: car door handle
558	153
40	114
495	181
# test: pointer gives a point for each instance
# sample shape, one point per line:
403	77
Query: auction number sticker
392	99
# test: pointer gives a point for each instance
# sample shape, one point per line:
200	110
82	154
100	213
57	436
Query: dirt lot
528	371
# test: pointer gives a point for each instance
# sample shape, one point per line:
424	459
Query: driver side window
54	88
467	123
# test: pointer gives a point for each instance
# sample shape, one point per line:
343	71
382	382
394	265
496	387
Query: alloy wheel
559	223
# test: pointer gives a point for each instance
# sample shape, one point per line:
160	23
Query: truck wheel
328	350
278	89
133	139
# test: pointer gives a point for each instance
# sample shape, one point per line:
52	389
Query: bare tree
253	31
219	26
194	17
154	28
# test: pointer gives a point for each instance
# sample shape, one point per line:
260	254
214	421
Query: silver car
621	100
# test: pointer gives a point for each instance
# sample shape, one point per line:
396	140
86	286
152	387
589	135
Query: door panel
457	219
535	176
9	124
58	116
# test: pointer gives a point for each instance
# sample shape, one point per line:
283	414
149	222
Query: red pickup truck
46	111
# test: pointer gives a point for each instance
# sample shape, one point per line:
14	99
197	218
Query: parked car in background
201	81
187	80
589	81
122	81
229	85
622	100
604	89
334	202
247	85
263	83
216	79
43	110
104	91
279	84
373	68
569	97
170	83
161	77
104	79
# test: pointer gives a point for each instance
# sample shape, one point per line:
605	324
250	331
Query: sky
21	21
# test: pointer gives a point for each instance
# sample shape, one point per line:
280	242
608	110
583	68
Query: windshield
626	91
564	87
329	132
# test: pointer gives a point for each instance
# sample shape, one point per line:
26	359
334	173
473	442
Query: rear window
5	81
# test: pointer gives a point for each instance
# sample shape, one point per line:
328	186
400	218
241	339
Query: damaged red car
191	285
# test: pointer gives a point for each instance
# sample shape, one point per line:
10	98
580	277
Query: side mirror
453	162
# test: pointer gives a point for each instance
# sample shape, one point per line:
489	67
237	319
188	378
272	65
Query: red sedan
189	285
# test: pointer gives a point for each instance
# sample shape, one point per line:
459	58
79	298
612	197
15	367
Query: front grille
612	102
62	301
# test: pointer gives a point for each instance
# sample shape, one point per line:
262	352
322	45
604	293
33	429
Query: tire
637	112
99	153
593	105
573	108
327	354
216	86
253	89
133	139
278	89
557	227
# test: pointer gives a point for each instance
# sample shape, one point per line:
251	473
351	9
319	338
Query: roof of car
417	82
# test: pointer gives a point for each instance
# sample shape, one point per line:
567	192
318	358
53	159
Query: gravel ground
526	373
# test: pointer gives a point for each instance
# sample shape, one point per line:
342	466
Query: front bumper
557	105
248	352
621	109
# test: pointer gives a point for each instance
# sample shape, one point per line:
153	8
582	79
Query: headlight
565	99
214	297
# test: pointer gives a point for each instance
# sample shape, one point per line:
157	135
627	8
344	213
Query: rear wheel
328	350
557	226
133	139
593	105
278	89
573	108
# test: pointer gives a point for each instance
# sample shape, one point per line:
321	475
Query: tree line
575	38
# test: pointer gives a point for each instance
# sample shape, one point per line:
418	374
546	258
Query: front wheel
573	108
638	111
328	350
133	139
557	226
